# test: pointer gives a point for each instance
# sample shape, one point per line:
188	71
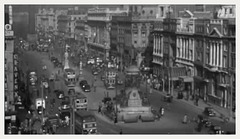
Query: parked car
209	111
215	129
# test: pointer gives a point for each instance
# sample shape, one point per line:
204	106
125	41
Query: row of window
135	33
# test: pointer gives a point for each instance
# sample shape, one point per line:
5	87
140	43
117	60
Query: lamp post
72	114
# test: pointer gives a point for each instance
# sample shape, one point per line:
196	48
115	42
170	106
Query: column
187	48
157	44
159	41
214	53
215	44
209	43
183	54
221	55
218	54
162	46
210	52
180	44
177	47
154	46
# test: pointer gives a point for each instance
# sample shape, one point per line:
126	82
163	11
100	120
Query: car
86	88
59	94
83	82
40	110
95	72
52	77
215	129
53	59
45	84
91	61
209	111
71	91
119	82
156	114
103	77
168	98
64	107
106	99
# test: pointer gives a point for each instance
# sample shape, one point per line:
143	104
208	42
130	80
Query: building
45	20
75	15
220	58
10	69
99	22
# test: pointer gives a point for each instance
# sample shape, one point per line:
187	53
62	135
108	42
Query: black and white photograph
119	69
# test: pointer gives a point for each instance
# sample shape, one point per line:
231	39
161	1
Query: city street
171	120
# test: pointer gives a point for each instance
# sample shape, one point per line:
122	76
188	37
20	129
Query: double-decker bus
70	77
81	101
85	123
110	78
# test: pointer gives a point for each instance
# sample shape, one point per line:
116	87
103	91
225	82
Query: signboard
15	74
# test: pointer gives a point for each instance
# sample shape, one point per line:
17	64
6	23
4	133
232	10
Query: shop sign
15	73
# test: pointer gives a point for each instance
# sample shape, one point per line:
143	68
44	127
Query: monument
131	104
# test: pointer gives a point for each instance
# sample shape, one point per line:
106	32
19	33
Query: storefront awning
186	78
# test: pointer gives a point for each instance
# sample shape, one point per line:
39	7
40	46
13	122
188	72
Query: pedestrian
162	111
120	131
99	109
115	119
185	119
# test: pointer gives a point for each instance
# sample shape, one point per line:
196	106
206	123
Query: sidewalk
220	112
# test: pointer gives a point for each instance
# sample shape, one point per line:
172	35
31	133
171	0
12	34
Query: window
233	47
135	42
224	47
135	33
224	61
161	11
207	58
151	12
230	11
233	61
143	34
143	12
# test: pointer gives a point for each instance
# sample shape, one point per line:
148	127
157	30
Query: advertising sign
15	73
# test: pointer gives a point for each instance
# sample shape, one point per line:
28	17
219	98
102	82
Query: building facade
10	69
99	22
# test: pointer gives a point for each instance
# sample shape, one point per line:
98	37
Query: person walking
185	119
